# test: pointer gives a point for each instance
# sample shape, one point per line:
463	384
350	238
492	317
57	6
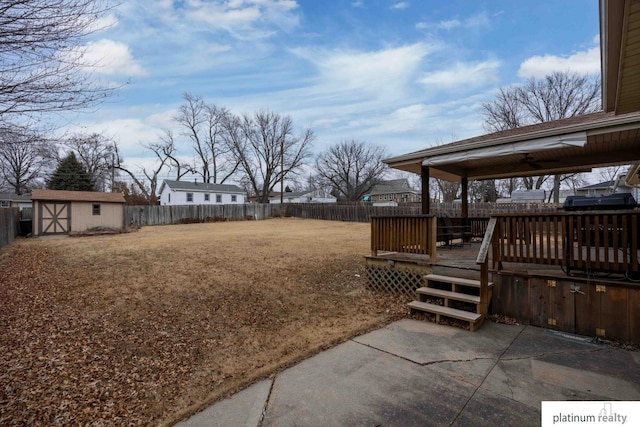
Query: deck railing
589	241
414	234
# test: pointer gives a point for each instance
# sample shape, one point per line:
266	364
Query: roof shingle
77	196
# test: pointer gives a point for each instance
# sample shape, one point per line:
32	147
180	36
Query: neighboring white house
309	196
9	200
199	193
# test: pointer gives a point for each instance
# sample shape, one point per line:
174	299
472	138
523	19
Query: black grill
609	202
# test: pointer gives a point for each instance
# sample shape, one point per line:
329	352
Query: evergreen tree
70	175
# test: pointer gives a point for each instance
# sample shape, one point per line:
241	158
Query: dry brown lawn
147	327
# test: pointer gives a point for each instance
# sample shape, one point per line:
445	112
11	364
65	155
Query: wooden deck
462	261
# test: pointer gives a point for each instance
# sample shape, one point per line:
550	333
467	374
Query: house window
169	197
218	198
206	197
234	198
5	204
95	209
189	197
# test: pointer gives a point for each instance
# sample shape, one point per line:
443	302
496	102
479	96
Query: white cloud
410	118
583	62
474	22
448	24
383	73
481	20
103	23
113	58
464	75
245	18
129	133
401	5
358	3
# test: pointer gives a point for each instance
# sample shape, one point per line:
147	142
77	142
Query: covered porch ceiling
576	144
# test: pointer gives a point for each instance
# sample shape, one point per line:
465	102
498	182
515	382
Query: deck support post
426	200
464	184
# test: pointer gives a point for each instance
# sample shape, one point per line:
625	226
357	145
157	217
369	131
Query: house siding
315	196
179	197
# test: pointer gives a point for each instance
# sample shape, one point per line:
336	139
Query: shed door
55	218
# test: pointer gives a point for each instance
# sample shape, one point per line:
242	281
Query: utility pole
281	171
113	171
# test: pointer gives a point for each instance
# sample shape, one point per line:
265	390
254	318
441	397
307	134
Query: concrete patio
414	373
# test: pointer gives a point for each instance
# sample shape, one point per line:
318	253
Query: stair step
455	280
457	296
446	311
474	319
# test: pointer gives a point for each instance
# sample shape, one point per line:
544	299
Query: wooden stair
453	297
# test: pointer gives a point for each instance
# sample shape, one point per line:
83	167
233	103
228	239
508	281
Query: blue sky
403	74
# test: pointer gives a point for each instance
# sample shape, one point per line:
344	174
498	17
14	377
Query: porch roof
575	144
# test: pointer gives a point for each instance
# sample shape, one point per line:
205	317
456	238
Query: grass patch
147	327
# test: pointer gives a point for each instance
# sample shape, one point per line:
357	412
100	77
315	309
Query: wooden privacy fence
164	215
404	234
9	225
588	241
352	212
486	209
362	212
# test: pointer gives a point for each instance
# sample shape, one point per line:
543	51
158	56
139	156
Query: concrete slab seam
421	363
385	352
266	402
551	353
487	375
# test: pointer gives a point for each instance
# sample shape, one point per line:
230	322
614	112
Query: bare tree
352	168
610	173
25	157
505	112
204	124
97	153
167	146
483	191
42	57
534	182
266	149
152	176
557	96
448	189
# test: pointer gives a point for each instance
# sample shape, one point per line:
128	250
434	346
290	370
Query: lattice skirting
397	278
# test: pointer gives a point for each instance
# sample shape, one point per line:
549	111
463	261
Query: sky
403	74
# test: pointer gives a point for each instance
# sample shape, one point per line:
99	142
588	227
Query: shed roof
77	196
201	186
